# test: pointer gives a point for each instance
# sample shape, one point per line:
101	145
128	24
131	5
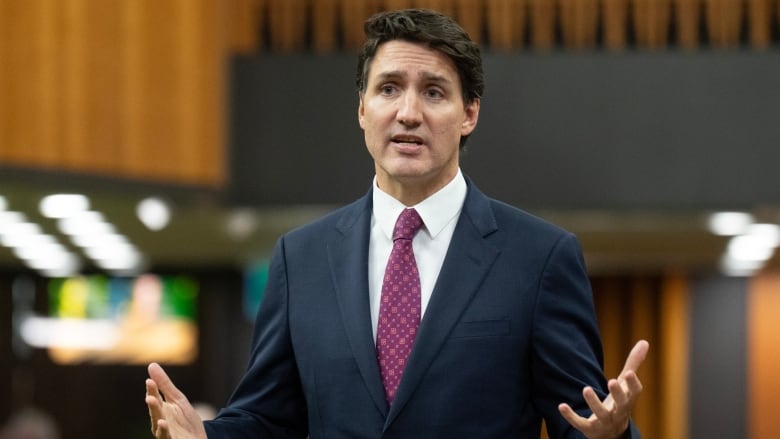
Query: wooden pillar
763	356
506	23
673	349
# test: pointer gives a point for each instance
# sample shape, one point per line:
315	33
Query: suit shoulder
512	217
339	218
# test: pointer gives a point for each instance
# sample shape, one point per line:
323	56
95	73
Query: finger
572	417
620	396
636	357
154	402
164	383
162	430
595	404
633	384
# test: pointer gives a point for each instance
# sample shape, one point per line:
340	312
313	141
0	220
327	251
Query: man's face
413	116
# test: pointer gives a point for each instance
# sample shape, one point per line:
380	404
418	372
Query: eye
434	93
387	89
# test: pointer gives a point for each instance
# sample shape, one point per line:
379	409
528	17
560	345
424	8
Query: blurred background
151	152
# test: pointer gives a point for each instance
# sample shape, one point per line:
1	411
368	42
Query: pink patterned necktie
399	310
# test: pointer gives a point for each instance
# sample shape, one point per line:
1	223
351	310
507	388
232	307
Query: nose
409	110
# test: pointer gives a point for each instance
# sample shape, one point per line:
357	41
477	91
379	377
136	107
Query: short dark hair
433	29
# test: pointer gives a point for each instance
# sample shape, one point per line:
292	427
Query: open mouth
409	140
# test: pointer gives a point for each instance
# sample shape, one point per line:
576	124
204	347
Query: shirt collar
436	211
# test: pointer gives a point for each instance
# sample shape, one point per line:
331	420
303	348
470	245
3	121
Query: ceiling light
17	233
63	205
768	234
241	223
154	213
729	223
749	248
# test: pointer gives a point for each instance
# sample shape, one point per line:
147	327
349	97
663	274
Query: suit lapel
468	260
348	259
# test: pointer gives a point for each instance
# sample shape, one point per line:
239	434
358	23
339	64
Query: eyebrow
432	77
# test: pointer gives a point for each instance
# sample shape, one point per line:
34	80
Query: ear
470	118
361	110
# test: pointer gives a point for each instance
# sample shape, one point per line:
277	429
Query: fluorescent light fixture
767	234
88	222
7	218
729	223
749	248
63	205
735	267
154	213
16	234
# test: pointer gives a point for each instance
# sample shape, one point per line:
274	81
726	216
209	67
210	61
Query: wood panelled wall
763	356
131	89
136	88
328	25
656	309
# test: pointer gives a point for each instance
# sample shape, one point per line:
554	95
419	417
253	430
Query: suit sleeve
269	401
567	352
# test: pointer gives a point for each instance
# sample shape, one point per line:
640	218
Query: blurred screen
100	319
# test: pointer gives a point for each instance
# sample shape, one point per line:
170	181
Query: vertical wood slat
470	15
74	69
651	21
391	5
614	15
354	13
542	22
506	23
673	351
287	24
759	23
245	22
723	19
579	23
687	15
644	322
443	6
324	23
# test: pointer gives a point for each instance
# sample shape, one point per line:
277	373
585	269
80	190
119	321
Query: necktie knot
407	225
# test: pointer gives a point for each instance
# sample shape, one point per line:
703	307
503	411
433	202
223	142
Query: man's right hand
172	415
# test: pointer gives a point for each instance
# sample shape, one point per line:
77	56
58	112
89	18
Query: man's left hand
610	417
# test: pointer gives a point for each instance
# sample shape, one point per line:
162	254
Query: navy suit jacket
509	333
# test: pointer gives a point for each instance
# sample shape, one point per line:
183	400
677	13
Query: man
481	324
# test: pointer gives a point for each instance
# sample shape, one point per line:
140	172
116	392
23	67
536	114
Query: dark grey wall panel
718	367
635	130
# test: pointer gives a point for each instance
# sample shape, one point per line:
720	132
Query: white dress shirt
439	213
